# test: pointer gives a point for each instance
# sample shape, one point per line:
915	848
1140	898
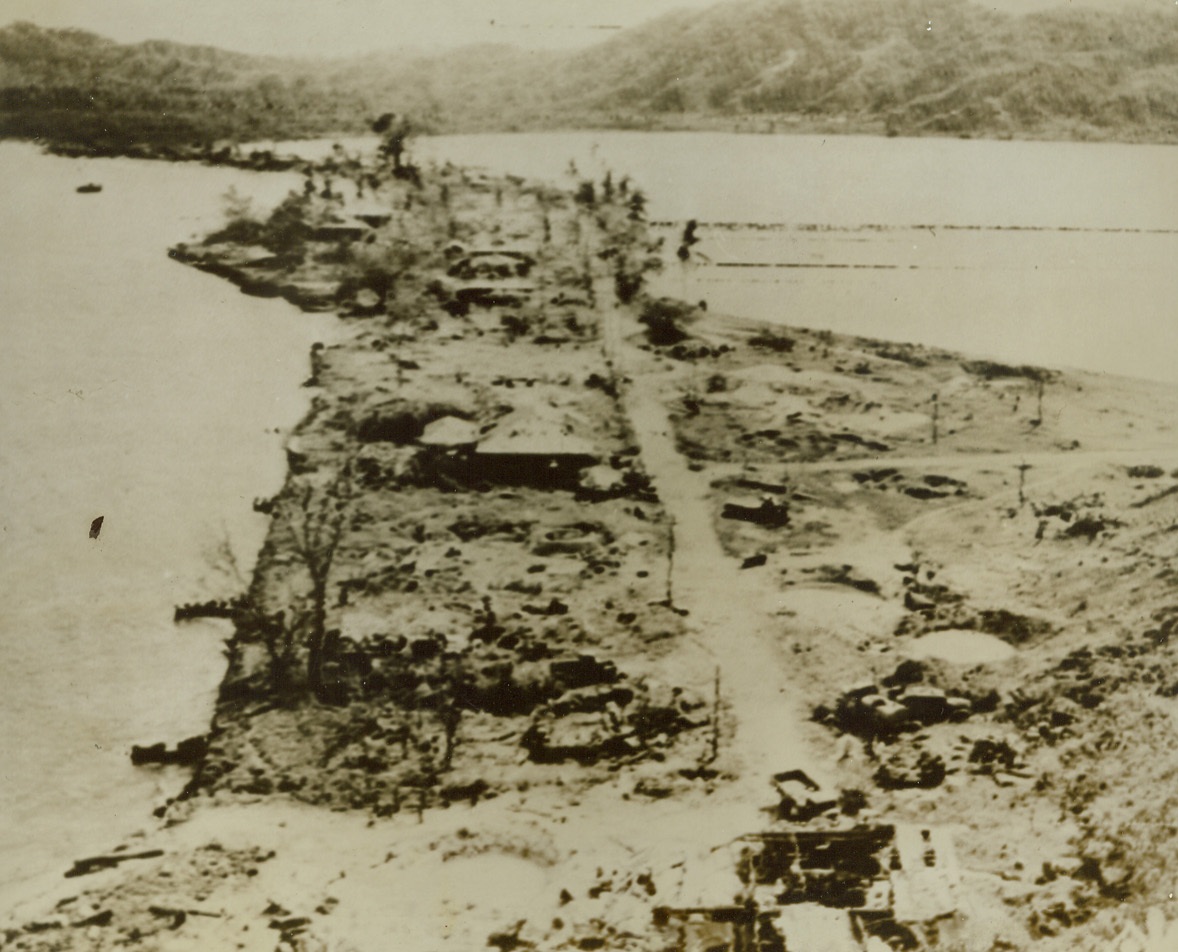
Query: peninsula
592	619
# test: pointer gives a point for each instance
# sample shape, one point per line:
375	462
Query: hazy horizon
350	27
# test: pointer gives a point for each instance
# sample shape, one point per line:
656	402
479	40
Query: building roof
369	211
450	431
491	264
333	231
247	255
537	432
601	479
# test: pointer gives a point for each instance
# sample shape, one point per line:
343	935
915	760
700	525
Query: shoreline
599	560
100	611
232	153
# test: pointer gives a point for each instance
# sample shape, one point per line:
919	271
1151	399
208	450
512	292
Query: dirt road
730	612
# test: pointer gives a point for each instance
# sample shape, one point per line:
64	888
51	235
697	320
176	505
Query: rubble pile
901	704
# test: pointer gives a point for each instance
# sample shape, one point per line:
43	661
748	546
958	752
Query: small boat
89	188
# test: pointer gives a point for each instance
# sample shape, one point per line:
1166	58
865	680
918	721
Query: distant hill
939	66
74	86
946	67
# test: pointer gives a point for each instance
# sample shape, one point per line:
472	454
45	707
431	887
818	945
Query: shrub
778	343
665	319
287	227
241	224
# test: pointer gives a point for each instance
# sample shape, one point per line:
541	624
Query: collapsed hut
496	263
337	231
765	511
825	891
488	278
372	213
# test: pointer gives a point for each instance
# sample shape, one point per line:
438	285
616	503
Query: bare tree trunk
317	635
316	524
451	718
715	740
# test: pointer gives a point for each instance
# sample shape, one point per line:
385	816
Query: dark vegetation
69	86
945	67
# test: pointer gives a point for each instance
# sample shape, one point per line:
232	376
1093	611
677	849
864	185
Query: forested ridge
897	66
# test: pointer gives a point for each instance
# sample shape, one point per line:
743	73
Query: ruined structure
872	887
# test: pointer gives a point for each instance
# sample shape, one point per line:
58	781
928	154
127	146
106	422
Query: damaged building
869	888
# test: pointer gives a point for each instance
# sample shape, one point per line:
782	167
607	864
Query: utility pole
716	718
670	561
1022	481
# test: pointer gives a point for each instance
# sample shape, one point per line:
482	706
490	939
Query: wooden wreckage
870	888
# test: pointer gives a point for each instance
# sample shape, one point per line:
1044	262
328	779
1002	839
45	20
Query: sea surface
1054	253
1063	254
145	392
153	395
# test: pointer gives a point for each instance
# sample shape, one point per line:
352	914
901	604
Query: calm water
143	391
909	239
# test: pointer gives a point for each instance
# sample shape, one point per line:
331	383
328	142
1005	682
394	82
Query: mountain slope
902	66
941	66
72	85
